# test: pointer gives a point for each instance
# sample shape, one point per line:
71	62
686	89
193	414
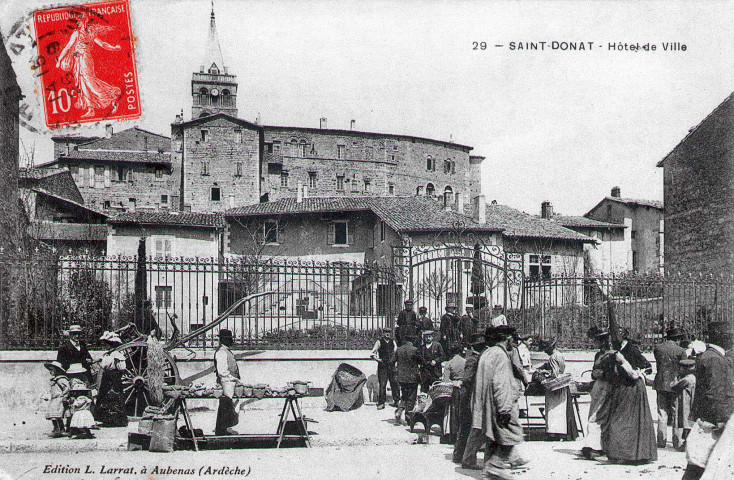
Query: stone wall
10	227
699	198
226	145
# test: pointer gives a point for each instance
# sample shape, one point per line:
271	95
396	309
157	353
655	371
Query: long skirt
559	413
629	434
598	413
110	406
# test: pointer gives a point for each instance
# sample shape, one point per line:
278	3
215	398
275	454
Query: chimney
132	205
322	122
351	124
460	203
616	192
480	206
299	195
231	201
305	191
179	118
546	210
258	120
108	130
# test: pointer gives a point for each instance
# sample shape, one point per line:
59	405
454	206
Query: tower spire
213	58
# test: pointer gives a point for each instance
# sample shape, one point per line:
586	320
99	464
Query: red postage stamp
86	63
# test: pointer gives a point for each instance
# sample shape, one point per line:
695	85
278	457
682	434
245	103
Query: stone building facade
699	196
645	228
123	171
11	221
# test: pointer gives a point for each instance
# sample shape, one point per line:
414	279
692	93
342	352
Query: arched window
216	193
303	148
294	147
225	92
448	190
203	91
430	189
419	190
448	196
430	165
447	166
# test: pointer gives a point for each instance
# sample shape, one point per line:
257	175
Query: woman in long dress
91	92
629	434
110	406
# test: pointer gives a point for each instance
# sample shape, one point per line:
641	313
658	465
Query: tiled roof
584	222
637	202
131	139
418	214
187	219
38	173
126	157
518	224
43	191
69	231
57	181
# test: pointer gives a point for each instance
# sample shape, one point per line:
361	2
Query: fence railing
565	307
319	305
311	304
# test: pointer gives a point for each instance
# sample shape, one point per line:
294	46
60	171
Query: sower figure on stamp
407	323
667	356
228	375
384	354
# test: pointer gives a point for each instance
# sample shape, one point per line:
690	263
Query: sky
562	126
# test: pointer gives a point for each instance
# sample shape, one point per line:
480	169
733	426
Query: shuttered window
340	234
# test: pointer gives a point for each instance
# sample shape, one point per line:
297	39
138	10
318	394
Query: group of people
78	400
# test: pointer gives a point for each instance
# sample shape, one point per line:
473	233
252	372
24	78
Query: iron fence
565	307
308	304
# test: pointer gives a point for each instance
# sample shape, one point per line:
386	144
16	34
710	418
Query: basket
441	390
300	387
247	390
557	383
260	390
163	433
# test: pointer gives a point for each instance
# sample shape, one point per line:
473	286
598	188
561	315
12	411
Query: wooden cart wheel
136	389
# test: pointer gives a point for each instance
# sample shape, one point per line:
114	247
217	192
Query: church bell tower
213	89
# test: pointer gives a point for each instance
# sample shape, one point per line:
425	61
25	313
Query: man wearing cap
433	355
451	328
495	409
466	453
713	400
408	359
407	324
424	323
74	350
667	356
228	375
384	354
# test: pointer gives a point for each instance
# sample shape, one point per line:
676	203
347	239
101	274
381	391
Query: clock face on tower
215	92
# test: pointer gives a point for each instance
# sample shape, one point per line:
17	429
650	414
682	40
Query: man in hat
469	323
432	354
466	453
495	409
384	354
408	359
74	350
450	328
424	323
407	323
667	356
228	375
713	400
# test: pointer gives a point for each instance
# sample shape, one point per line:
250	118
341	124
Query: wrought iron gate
484	276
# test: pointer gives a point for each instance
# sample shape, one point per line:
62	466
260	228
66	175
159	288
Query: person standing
464	452
559	413
495	409
604	363
384	354
58	398
684	389
453	370
468	323
408	360
407	322
432	354
74	350
424	323
667	356
228	375
450	328
713	400
110	402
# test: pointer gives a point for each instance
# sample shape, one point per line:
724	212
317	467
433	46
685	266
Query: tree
87	301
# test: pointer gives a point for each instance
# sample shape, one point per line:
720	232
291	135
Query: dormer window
214	70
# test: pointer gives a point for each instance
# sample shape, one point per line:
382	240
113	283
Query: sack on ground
700	442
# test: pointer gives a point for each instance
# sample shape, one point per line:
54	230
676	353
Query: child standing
684	389
81	420
59	397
